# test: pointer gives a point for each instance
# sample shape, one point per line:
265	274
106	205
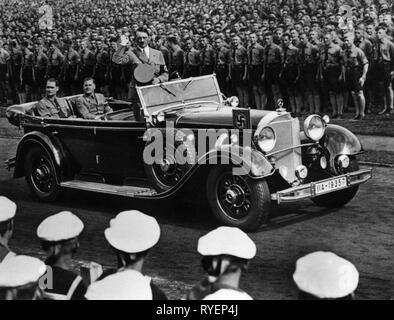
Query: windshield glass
157	97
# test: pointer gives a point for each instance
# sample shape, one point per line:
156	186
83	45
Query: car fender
49	143
338	140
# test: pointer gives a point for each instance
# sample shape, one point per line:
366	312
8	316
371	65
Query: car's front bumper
305	191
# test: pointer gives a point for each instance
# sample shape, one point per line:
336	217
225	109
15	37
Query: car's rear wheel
339	198
238	200
41	174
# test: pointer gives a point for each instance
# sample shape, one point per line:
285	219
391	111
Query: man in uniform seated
91	105
51	106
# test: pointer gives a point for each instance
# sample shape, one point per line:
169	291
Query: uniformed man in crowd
52	106
125	285
290	74
40	67
91	105
20	277
355	70
161	45
324	275
7	215
332	74
59	239
309	60
55	62
116	77
71	69
226	254
370	84
4	73
131	235
239	71
207	56
88	61
16	61
192	60
255	71
384	68
177	57
222	65
101	69
27	72
272	68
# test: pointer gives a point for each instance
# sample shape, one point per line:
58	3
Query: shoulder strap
73	287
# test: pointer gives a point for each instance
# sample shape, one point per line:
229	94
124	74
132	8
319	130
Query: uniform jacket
354	57
57	109
384	52
255	54
273	54
331	56
156	60
135	56
177	61
91	106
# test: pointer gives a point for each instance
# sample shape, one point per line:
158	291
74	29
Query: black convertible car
243	161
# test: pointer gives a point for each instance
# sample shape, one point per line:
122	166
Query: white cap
59	227
133	231
325	275
21	270
228	294
125	285
7	209
227	241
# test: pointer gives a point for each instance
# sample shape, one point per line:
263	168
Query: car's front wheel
339	198
41	174
238	200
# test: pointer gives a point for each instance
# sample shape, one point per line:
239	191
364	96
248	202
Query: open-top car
244	161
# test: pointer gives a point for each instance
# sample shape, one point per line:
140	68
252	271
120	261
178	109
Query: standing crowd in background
318	56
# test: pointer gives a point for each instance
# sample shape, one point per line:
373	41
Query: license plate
330	185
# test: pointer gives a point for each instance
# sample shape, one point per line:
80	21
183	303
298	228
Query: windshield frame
148	114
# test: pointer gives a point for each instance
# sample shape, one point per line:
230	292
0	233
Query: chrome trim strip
292	147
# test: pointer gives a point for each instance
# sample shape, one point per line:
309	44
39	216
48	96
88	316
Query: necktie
325	57
380	59
144	57
303	55
285	57
61	113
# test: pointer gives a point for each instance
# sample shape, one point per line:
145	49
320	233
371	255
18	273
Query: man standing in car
142	54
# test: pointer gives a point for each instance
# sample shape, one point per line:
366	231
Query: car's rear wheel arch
51	147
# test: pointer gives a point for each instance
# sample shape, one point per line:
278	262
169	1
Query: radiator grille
287	135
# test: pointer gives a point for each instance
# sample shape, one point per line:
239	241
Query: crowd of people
317	55
225	253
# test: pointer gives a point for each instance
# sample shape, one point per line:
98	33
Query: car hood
214	118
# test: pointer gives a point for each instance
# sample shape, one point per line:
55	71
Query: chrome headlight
233	101
266	139
314	127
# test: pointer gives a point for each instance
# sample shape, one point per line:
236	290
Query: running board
125	191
